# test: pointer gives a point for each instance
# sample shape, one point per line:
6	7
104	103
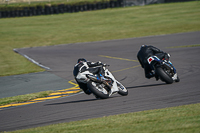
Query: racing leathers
80	70
144	53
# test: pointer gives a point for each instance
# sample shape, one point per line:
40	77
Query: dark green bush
21	6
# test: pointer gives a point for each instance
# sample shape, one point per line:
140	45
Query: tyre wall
62	8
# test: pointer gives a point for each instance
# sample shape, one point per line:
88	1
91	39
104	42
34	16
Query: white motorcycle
105	87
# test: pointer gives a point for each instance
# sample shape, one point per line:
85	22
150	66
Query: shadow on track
72	102
145	86
80	101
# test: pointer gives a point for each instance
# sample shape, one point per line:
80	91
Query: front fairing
154	62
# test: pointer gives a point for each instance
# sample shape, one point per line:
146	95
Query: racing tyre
177	80
163	75
122	90
98	90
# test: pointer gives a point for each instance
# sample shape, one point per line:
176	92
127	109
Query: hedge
48	9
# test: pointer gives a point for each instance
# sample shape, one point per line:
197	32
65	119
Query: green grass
181	119
185	46
23	98
90	26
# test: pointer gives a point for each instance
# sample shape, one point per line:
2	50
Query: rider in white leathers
82	67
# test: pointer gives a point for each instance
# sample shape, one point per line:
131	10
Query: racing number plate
150	59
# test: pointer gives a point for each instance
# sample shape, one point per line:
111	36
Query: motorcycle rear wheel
98	90
164	76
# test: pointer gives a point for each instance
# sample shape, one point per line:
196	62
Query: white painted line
32	60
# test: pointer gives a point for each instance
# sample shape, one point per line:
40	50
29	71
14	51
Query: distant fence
65	8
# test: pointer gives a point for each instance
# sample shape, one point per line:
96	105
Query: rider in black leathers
84	65
144	53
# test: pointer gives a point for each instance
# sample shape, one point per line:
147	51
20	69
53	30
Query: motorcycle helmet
81	59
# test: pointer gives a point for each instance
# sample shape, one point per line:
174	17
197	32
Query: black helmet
81	59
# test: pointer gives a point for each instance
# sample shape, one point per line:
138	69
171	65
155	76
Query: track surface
144	94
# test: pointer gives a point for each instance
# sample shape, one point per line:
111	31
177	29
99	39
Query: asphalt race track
144	94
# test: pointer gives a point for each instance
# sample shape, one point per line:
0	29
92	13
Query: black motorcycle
163	69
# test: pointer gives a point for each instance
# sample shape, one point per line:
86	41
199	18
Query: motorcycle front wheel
177	80
122	90
164	76
98	89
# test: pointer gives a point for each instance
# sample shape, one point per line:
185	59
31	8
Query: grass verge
181	119
24	98
186	46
